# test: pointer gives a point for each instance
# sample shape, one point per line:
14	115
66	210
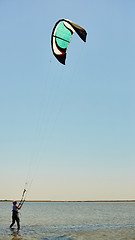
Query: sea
70	221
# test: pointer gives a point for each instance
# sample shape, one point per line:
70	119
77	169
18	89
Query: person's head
14	202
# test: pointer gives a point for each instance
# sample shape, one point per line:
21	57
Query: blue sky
69	131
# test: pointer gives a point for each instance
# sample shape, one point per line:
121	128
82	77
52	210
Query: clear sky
68	131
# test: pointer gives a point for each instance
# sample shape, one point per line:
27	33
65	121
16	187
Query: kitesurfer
15	214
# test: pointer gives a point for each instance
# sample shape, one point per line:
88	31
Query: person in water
15	214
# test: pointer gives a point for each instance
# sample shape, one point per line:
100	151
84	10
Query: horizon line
120	200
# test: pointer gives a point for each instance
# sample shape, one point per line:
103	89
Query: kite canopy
61	36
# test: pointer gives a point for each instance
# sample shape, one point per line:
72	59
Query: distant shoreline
87	201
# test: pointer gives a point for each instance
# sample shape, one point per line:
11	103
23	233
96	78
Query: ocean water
70	221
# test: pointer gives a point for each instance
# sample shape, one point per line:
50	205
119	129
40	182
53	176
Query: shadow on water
15	234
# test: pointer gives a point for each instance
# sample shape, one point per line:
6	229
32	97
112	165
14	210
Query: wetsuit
15	217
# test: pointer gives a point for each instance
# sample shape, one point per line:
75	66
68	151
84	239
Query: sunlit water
68	221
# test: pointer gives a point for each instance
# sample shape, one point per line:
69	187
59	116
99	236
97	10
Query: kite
61	37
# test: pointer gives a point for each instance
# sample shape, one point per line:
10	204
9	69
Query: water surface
70	221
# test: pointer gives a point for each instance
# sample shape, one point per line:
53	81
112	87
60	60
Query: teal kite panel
63	35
